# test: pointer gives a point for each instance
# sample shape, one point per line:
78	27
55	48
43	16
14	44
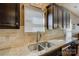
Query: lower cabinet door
57	52
70	50
66	51
74	49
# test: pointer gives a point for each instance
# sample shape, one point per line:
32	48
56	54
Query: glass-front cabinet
60	17
50	17
57	17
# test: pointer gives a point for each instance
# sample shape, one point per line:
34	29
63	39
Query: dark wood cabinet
74	48
9	15
50	17
66	18
70	49
60	17
57	52
57	17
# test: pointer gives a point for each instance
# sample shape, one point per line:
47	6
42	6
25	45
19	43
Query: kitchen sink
46	44
40	46
35	47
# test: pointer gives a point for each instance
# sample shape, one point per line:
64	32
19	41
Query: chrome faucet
38	37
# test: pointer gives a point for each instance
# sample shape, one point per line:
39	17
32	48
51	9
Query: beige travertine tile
12	38
20	38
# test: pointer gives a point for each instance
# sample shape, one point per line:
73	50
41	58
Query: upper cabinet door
34	19
60	17
65	18
68	20
9	15
55	16
45	16
50	17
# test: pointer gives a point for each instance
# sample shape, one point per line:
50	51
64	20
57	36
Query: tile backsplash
17	37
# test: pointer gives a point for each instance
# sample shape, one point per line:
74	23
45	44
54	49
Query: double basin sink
40	46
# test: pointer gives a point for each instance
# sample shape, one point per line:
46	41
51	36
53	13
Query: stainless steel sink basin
46	44
40	46
35	47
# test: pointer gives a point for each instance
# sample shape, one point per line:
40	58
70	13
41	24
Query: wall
17	37
75	20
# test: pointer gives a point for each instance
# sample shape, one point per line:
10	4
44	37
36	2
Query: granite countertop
57	43
26	52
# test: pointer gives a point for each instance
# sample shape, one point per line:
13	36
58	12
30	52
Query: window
34	19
